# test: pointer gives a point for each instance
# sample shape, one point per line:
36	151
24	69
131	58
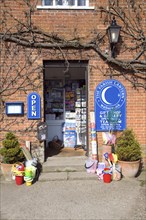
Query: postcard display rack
54	107
75	117
69	128
80	110
66	111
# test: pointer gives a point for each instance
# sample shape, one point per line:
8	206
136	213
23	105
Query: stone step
62	176
58	176
64	164
65	168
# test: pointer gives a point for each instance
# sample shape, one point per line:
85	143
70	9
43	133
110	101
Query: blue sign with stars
110	106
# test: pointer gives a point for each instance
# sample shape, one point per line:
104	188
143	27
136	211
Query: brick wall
69	24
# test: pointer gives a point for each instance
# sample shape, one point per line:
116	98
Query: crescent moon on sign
103	95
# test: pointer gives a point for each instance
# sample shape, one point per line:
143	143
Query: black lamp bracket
113	47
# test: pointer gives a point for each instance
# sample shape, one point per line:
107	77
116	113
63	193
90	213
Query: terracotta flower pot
129	168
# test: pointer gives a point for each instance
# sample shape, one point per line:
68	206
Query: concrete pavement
75	199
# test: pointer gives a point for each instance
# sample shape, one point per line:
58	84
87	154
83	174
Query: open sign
34	106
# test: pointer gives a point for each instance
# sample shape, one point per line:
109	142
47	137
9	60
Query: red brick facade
70	24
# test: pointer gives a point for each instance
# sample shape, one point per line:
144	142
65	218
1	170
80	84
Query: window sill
39	7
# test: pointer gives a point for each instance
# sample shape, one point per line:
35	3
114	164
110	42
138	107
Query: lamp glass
114	33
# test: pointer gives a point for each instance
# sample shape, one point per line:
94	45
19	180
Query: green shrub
127	146
11	151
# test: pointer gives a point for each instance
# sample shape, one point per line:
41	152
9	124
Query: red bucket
107	178
106	175
19	180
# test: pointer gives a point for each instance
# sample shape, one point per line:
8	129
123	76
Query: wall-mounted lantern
113	34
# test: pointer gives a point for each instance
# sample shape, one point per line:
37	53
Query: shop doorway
65	107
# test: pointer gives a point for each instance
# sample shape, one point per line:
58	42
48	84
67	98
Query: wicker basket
56	143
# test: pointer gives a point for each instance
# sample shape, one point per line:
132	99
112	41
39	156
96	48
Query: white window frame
64	6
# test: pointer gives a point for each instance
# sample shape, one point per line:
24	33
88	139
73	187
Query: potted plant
11	153
129	153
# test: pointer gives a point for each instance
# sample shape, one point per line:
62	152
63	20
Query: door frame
72	63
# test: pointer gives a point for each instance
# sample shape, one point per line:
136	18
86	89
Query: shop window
66	2
47	2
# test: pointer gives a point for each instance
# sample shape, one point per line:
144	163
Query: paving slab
74	200
53	176
82	176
